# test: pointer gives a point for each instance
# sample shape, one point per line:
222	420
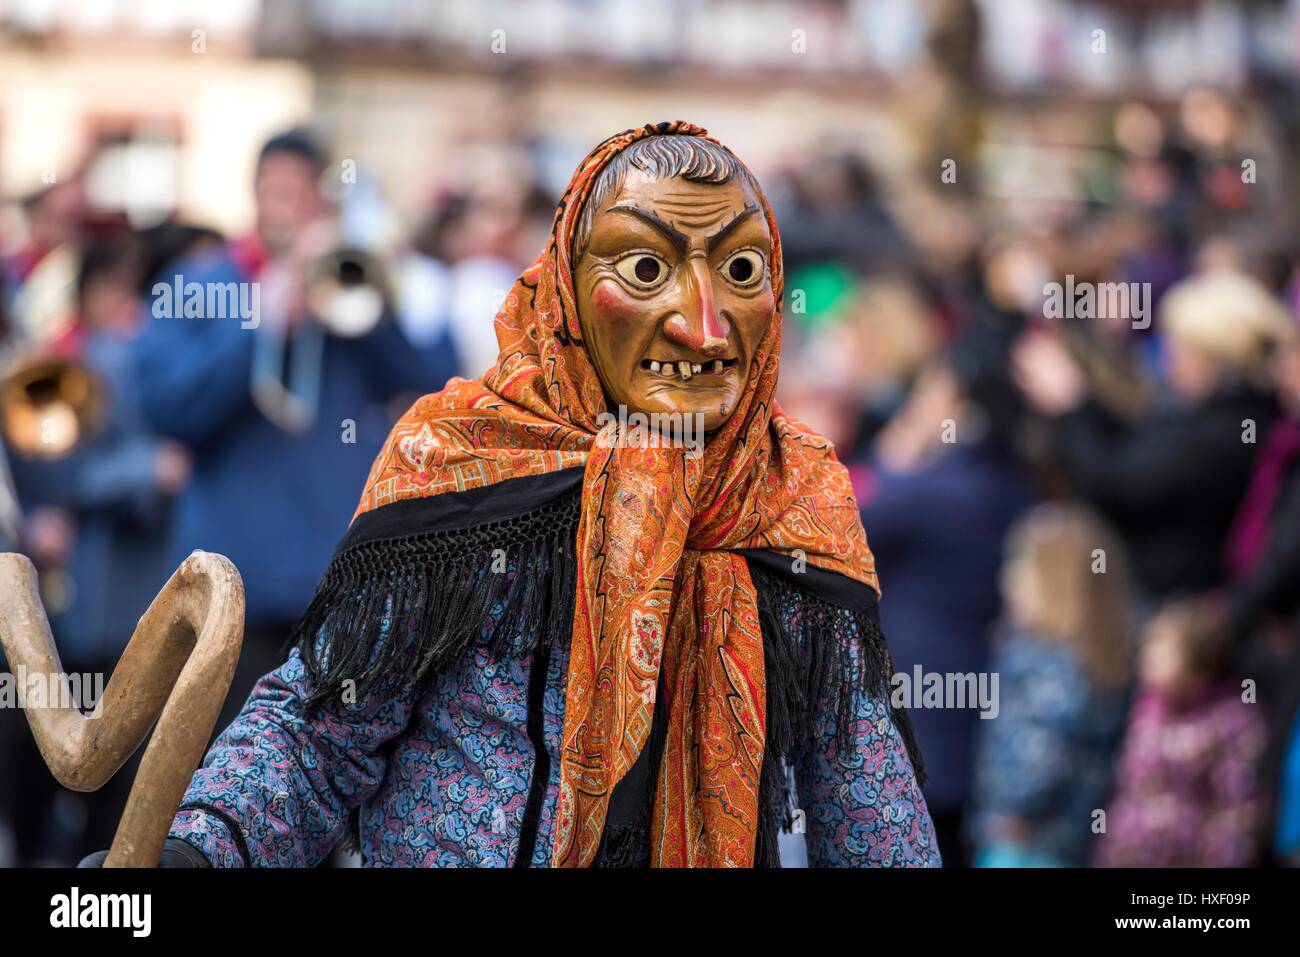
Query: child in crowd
1062	656
1188	791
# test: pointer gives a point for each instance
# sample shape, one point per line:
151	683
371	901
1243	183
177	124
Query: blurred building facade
178	95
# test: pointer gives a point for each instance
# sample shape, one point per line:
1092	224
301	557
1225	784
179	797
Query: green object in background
818	293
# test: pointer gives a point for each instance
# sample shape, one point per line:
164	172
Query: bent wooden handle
179	664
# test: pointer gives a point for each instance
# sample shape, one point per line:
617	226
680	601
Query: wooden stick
178	664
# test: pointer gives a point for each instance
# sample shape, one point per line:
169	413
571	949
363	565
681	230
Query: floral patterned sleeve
277	786
862	808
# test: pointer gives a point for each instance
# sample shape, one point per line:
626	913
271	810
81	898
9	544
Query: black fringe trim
810	666
407	608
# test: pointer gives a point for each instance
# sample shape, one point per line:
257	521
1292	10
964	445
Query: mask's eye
743	268
642	270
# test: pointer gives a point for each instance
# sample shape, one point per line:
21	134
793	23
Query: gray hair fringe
693	158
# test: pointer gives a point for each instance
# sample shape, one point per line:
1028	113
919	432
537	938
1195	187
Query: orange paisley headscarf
663	597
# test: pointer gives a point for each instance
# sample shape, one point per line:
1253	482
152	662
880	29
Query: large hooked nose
698	325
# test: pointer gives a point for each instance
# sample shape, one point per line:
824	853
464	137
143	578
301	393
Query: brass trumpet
48	405
348	292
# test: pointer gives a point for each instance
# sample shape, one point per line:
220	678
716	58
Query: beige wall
225	104
411	125
412	128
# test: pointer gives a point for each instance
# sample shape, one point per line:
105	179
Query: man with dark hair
269	490
286	187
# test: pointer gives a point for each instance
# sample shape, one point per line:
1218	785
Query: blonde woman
1171	482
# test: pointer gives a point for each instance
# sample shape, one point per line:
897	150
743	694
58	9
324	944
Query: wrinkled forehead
687	204
675	175
670	215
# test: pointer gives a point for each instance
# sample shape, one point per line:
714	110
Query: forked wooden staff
176	670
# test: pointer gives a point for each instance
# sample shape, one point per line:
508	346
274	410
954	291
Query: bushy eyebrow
675	236
725	231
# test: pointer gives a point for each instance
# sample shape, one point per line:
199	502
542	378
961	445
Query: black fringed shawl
415	585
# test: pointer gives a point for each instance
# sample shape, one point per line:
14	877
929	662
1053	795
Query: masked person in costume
537	646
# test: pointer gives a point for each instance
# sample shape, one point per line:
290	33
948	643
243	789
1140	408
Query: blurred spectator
1188	792
1062	657
107	504
861	367
116	486
279	455
40	276
1190	457
1263	557
937	499
471	251
830	210
1263	551
171	242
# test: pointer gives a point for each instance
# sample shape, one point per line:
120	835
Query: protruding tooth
697	368
654	366
685	369
717	365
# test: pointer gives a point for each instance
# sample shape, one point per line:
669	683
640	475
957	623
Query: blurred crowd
1098	504
1101	508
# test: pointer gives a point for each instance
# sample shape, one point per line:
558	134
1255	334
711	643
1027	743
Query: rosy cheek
615	306
757	316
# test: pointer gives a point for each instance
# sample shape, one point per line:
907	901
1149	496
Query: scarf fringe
410	607
810	665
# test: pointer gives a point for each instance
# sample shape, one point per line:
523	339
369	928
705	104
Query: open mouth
686	369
